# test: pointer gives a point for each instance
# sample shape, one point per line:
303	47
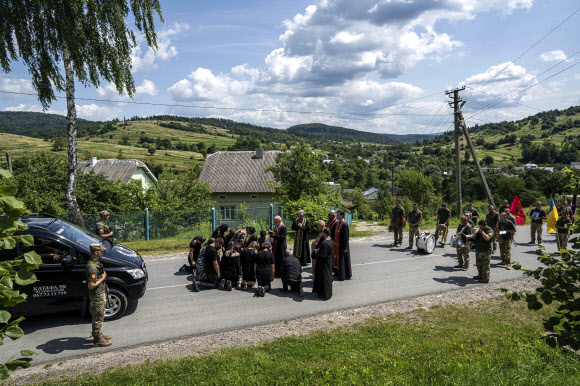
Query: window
228	212
254	196
50	251
222	197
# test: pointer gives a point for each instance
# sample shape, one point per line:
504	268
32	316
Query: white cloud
12	85
147	87
145	62
553	56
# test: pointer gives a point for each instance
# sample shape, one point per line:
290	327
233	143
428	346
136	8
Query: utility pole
481	175
457	136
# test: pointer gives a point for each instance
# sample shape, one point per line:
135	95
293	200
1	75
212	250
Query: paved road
170	310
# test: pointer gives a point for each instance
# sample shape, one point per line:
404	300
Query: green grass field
495	342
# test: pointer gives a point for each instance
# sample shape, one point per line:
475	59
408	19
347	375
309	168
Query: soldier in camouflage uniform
443	216
97	294
537	215
483	240
415	218
103	230
398	213
464	229
505	240
562	225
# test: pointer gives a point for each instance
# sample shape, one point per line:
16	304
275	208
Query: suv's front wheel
116	304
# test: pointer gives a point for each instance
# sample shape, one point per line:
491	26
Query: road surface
170	310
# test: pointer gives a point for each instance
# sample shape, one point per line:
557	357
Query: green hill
320	131
33	124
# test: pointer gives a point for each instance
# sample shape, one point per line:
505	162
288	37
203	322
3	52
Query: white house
123	170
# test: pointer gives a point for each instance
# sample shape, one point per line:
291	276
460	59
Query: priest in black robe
301	245
278	244
341	252
323	270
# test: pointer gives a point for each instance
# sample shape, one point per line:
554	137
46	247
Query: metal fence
151	225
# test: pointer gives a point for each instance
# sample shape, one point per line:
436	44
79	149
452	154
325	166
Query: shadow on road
57	346
460	281
444	268
41	322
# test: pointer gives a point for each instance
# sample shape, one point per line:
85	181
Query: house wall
235	199
142	176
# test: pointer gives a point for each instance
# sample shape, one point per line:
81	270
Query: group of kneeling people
240	259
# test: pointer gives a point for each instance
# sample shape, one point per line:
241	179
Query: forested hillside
322	132
33	124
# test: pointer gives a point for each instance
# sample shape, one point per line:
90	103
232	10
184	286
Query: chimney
259	154
93	161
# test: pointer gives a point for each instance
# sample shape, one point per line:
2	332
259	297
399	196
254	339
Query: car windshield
74	233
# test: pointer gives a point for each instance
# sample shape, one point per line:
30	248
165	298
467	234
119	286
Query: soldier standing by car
97	294
103	230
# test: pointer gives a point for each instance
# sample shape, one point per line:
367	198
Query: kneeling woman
264	269
230	268
247	258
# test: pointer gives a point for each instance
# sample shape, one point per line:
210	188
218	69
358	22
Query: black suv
61	285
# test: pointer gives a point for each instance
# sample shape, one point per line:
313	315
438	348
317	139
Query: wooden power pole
457	136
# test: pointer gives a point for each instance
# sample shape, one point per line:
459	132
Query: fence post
271	216
212	219
147	224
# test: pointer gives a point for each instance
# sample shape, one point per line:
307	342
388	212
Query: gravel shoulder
204	344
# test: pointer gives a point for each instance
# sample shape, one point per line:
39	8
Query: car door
58	287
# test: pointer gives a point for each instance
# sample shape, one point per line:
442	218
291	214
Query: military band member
562	225
505	236
443	216
504	205
474	213
537	215
510	216
492	218
483	239
103	230
463	230
415	218
397	222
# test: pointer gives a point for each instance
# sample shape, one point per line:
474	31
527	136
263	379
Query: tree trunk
71	129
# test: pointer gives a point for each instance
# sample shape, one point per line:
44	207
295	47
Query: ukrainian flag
552	217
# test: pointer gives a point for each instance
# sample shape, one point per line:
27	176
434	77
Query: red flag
517	210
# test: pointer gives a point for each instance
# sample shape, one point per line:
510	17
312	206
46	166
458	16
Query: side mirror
68	261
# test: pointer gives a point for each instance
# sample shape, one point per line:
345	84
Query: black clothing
503	208
261	241
563	221
323	270
264	261
230	268
247	262
474	213
492	219
538	218
344	268
482	245
506	226
295	284
265	280
443	215
304	253
291	268
464	230
398	212
280	251
220	231
210	256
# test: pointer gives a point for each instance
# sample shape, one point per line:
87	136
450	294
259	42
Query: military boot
106	337
100	342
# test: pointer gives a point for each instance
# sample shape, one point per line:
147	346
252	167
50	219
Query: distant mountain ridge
321	131
33	124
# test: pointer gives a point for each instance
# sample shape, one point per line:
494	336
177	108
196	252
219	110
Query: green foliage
418	188
18	271
315	208
152	150
298	174
560	284
178	193
487	160
59	144
33	30
360	204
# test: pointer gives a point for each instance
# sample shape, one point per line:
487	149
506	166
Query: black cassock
304	255
323	270
280	248
343	271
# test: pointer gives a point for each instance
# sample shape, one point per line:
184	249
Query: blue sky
361	64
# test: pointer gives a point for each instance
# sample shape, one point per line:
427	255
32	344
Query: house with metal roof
122	170
239	177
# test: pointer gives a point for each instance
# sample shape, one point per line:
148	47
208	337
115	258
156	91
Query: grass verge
495	342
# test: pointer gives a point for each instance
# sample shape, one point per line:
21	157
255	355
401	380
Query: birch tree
89	39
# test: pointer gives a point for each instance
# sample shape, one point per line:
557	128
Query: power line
229	108
402	103
500	97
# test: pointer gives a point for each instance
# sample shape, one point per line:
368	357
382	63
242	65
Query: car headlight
137	273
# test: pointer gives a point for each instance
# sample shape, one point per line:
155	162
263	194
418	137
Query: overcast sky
361	64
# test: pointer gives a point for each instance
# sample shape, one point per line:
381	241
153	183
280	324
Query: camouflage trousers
463	256
441	230
482	260
398	235
536	229
413	232
505	251
563	239
98	303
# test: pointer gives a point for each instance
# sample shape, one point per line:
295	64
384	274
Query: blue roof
370	191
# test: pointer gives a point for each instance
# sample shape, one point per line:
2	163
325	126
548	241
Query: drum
426	243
